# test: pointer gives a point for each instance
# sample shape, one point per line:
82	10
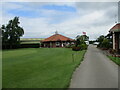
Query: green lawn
115	59
39	67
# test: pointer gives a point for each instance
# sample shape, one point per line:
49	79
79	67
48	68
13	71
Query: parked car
95	43
87	42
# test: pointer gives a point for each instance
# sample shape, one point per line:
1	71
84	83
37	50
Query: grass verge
115	59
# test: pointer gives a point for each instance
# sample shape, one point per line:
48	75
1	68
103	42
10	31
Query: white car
87	42
96	43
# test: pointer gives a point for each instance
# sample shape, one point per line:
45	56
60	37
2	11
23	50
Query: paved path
96	71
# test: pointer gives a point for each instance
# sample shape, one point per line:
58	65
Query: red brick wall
47	44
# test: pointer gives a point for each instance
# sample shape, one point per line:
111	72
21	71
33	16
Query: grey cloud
110	9
95	5
119	12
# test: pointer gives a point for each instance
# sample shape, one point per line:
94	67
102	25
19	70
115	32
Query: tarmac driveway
96	71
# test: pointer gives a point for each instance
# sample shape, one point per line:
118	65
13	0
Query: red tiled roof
57	37
115	28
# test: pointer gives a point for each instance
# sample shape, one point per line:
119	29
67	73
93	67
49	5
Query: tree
100	38
82	39
11	33
77	42
104	42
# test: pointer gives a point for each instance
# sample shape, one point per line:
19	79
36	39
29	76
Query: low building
115	32
57	40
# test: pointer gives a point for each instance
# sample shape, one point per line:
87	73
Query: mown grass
115	59
39	67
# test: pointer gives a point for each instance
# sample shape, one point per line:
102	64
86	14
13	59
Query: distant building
57	40
115	32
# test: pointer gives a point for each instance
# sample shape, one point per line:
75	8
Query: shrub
74	48
80	47
68	46
83	46
105	43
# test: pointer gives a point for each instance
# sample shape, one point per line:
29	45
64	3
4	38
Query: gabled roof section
115	28
57	37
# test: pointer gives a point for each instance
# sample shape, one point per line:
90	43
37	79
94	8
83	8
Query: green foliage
72	45
39	67
11	33
77	42
115	59
68	46
83	38
80	43
83	46
101	38
105	43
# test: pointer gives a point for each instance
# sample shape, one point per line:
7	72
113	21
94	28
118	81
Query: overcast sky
42	19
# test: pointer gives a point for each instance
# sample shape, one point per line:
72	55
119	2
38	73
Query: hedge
29	45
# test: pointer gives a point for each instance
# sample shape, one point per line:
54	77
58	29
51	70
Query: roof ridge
56	37
115	28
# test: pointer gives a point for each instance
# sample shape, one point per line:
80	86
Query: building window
57	43
72	43
68	43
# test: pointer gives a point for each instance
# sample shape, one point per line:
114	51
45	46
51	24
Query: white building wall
113	40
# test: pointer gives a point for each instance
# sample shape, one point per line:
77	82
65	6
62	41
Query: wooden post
73	57
119	41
